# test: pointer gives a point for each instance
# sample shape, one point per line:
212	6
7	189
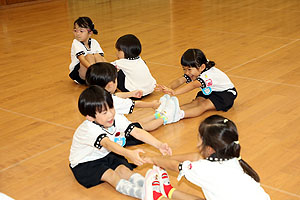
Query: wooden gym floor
257	43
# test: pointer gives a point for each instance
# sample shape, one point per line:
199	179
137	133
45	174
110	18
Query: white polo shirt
223	180
86	140
137	75
123	106
78	49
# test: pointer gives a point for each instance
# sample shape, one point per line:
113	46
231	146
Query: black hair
94	99
86	22
130	45
221	134
195	58
101	74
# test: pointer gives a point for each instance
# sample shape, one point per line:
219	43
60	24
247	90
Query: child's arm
150	104
184	89
146	137
83	61
176	83
133	155
135	94
172	162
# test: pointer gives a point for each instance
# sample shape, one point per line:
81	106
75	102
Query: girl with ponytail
85	50
218	167
217	92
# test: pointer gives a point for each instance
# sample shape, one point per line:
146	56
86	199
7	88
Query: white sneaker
169	111
150	177
164	180
163	100
177	113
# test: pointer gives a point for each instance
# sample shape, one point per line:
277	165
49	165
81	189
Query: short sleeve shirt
86	140
224	180
78	49
123	106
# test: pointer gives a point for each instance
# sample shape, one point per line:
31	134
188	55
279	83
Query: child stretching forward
133	72
85	50
105	75
96	154
217	91
217	168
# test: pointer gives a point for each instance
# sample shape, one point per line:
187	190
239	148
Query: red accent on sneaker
156	194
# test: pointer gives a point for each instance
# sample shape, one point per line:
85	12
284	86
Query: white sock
137	179
181	114
128	188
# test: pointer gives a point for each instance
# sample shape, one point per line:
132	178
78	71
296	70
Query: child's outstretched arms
184	89
178	82
146	137
135	94
133	155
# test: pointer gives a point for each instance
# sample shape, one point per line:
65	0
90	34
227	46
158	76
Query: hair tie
236	142
239	158
225	120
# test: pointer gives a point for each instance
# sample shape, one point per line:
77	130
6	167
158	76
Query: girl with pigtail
217	92
85	50
217	168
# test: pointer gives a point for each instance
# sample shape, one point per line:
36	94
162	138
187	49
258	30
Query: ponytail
209	64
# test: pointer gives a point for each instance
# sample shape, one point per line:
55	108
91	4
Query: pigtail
209	64
92	26
248	170
221	134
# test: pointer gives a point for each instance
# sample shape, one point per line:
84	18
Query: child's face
120	54
106	117
192	72
81	34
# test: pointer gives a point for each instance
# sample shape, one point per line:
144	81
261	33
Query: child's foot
177	113
168	112
165	185
151	189
163	100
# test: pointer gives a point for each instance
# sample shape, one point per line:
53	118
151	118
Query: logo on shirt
120	139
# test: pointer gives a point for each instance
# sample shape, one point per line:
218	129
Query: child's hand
165	149
137	93
134	156
165	89
148	160
155	104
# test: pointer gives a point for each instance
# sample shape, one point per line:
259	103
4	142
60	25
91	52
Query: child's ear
90	118
109	86
202	67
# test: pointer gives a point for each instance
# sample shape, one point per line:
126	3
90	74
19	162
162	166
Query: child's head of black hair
94	99
101	74
195	58
130	45
86	22
221	135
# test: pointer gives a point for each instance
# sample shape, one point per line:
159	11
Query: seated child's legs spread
113	169
74	75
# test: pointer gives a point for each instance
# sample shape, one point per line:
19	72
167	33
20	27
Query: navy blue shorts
89	173
74	75
222	100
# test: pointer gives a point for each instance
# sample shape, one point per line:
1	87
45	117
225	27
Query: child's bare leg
90	58
150	123
200	108
99	58
111	177
192	104
182	195
82	71
121	183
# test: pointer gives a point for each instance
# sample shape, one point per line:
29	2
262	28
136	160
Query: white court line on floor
263	55
279	190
